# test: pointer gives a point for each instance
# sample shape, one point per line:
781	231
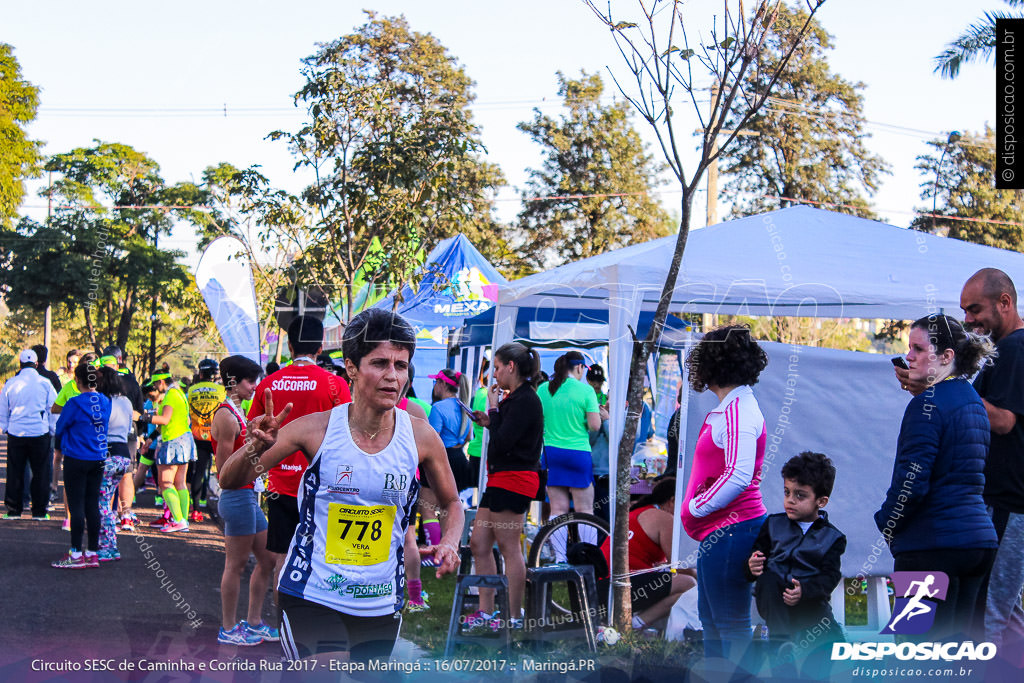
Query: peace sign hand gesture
263	429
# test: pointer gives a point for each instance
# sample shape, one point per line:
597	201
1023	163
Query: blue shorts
241	513
567	467
179	451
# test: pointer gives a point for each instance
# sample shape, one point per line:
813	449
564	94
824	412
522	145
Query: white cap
28	356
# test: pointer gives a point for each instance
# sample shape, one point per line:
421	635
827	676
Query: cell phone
899	362
466	409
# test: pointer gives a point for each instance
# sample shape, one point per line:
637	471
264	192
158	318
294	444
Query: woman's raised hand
264	428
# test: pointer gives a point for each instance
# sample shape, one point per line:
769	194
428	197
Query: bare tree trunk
634	397
87	311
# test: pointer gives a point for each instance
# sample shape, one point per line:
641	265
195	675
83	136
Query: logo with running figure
917	595
344	474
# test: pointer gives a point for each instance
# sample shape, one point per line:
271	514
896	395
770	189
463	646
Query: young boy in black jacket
797	557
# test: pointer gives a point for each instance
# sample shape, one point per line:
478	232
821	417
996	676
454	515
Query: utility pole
48	317
152	314
711	216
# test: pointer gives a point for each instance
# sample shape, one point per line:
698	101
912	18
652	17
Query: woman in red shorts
515	441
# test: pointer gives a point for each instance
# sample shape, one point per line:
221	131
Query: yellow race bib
358	534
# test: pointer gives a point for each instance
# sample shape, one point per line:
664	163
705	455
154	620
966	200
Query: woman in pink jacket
722	507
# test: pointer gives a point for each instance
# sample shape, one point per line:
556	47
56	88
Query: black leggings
82	479
961	616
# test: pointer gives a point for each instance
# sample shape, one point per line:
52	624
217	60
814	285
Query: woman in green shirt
571	412
177	449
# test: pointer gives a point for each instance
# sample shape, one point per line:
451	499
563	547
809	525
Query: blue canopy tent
455	283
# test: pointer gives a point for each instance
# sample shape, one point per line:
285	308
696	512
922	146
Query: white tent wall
844	404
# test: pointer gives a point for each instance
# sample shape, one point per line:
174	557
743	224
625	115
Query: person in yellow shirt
203	398
177	448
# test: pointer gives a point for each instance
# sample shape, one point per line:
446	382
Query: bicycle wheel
554	538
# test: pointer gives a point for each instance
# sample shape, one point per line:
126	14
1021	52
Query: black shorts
499	500
649	589
308	628
459	463
282	520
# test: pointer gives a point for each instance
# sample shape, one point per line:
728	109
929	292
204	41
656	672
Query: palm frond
977	42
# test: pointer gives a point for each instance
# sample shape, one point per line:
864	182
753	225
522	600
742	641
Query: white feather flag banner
224	277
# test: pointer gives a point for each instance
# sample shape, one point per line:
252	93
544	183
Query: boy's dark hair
811	469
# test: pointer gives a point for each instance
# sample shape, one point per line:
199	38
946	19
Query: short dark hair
100	378
811	469
272	367
374	327
115	351
234	369
726	356
305	334
41	353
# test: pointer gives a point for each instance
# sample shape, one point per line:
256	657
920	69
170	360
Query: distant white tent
797	261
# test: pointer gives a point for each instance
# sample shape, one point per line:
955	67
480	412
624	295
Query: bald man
989	302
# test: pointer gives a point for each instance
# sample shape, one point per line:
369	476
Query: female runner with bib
343	583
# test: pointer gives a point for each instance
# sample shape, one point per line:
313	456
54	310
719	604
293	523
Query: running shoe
262	630
162	520
69	562
106	555
172	526
127	524
238	636
196	516
413	606
158	501
92	560
65	525
8	515
476	619
41	519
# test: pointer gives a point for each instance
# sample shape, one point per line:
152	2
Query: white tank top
354	508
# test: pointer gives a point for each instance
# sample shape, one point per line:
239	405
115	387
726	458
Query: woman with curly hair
722	507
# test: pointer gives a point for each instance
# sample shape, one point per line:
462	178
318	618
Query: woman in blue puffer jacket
933	517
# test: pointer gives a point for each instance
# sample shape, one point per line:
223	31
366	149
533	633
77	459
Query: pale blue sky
158	75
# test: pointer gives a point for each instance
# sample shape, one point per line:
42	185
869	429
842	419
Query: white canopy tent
797	261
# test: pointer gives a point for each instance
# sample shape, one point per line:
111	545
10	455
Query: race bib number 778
359	534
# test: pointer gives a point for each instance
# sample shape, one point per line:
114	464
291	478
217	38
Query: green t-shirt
565	414
422	404
67	392
179	423
479	402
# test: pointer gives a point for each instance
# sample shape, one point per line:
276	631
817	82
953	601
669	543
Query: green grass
429	630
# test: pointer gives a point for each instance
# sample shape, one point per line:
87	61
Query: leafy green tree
809	143
19	156
977	40
98	254
659	66
394	150
597	182
958	176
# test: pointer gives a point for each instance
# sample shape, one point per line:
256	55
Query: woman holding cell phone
451	418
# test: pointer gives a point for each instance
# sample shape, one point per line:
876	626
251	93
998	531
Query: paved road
133	610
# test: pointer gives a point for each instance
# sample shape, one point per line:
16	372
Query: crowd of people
349	456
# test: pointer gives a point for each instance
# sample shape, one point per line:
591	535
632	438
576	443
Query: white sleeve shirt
736	425
25	404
